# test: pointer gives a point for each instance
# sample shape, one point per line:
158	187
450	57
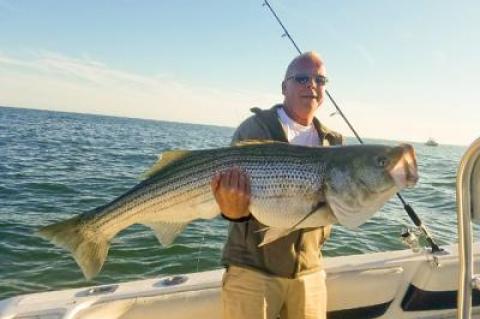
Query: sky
400	70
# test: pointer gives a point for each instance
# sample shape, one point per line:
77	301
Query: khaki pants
249	294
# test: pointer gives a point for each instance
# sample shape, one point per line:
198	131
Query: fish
292	187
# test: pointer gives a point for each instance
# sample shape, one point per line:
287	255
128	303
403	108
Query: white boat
397	284
431	142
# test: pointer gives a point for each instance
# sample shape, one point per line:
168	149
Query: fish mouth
404	171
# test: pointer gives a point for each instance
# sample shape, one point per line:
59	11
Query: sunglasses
305	79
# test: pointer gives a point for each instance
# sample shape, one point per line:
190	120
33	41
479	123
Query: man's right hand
231	189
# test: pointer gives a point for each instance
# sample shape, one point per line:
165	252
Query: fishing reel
410	238
416	239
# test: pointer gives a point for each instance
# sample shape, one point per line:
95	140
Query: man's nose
311	83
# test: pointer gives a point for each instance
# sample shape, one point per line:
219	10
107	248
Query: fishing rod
411	213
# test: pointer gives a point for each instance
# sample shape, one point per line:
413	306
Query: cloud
49	80
54	81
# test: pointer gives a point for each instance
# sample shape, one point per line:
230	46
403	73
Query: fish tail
88	246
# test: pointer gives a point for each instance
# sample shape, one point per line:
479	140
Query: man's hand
231	189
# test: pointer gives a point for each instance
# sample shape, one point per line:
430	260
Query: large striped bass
292	187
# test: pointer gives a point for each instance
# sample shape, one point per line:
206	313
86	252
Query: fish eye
382	161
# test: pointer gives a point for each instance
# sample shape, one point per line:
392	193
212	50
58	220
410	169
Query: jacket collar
322	130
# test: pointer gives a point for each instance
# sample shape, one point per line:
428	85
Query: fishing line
411	213
200	249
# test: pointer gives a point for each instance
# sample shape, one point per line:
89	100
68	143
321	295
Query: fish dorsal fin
163	160
253	141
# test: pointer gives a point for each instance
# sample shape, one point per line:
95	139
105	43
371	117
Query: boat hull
395	284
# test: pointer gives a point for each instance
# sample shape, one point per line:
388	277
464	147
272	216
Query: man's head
304	87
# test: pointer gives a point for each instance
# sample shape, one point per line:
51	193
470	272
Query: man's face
302	100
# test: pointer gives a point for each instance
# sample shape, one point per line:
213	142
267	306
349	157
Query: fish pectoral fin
273	233
321	215
166	232
163	160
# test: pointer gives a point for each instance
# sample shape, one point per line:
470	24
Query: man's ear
284	87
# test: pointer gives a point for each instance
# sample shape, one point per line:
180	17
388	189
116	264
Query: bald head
303	93
310	57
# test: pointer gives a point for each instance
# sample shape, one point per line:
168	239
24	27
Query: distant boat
431	142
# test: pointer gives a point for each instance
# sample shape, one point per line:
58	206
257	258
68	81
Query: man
284	278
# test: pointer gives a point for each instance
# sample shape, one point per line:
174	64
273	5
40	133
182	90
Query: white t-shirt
302	135
298	134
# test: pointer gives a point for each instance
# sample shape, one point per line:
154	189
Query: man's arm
231	188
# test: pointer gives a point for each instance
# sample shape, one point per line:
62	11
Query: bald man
284	278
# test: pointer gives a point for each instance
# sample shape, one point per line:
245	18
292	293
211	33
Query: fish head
363	178
377	168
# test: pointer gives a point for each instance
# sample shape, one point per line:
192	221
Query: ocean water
54	165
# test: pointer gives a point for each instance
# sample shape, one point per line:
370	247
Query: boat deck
396	284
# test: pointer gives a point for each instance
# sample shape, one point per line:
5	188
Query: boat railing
468	211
